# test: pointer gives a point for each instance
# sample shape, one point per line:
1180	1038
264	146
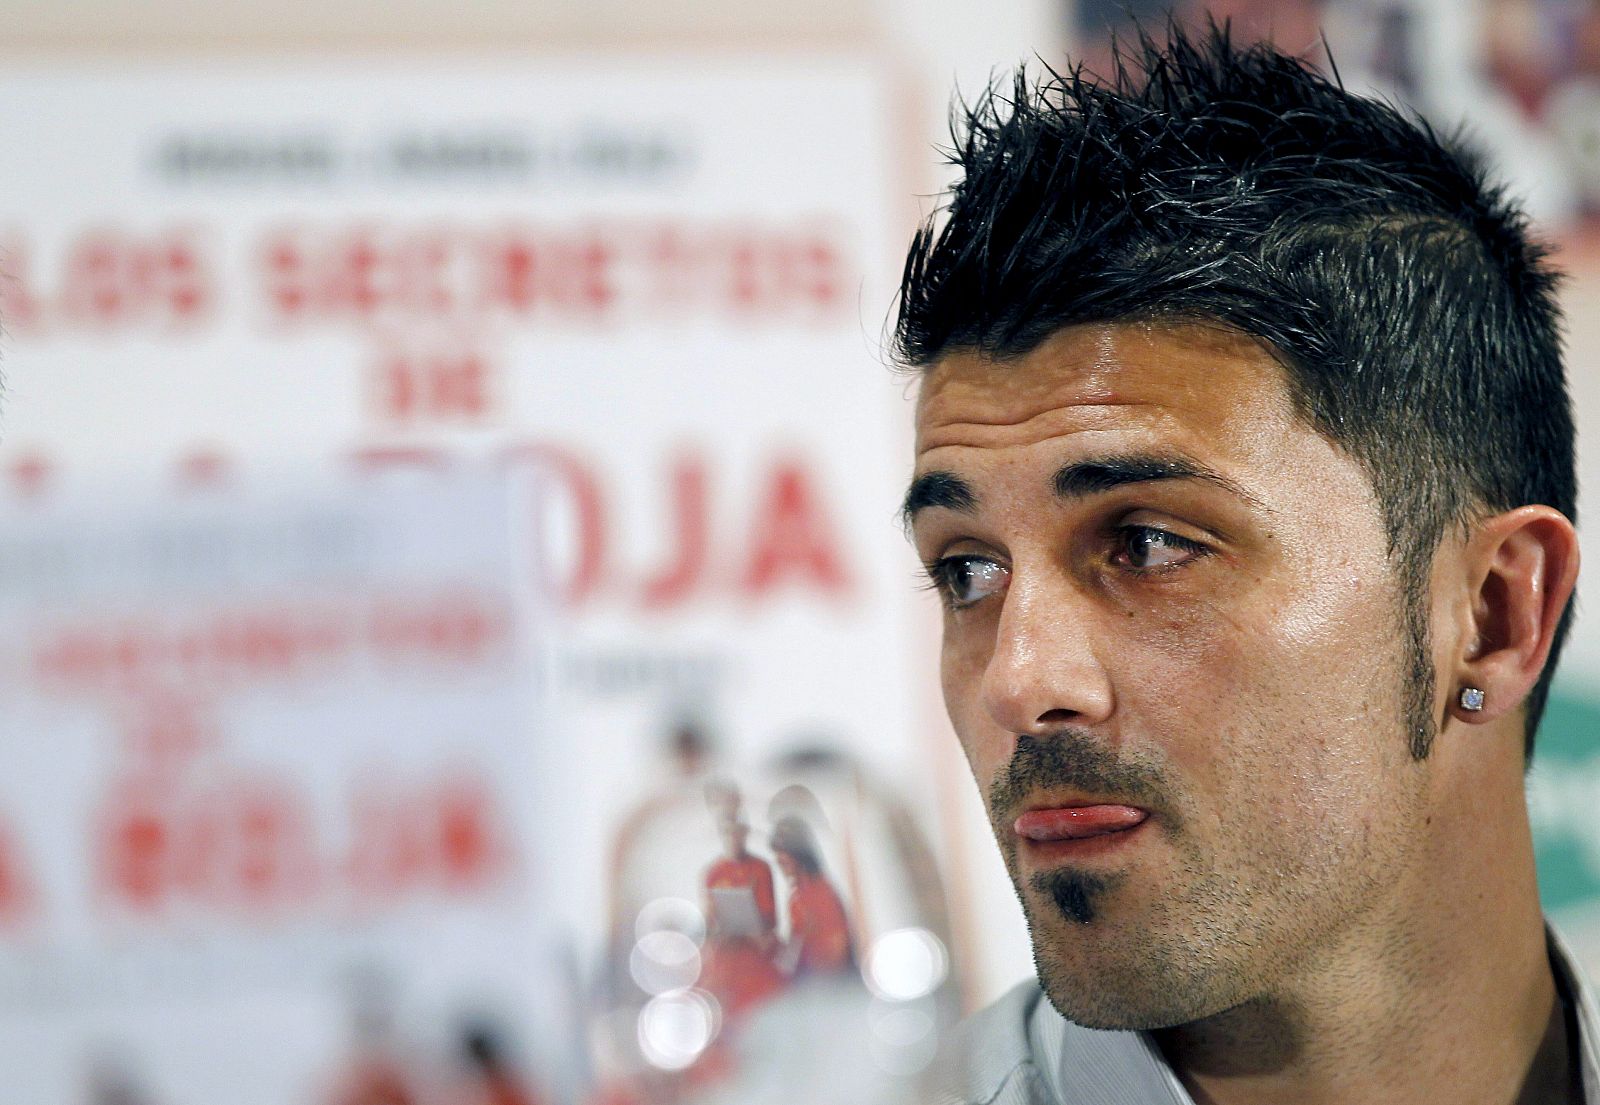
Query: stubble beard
1099	972
1211	940
1139	978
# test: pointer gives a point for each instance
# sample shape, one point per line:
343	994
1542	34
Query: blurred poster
272	825
656	285
657	281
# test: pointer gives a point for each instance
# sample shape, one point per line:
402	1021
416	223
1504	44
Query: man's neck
1448	997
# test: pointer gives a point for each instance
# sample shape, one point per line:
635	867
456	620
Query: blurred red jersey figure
819	930
746	873
737	871
489	1078
742	915
740	975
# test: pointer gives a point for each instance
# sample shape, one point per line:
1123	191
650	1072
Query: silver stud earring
1471	699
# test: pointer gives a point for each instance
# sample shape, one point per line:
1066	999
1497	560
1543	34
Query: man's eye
1145	548
964	580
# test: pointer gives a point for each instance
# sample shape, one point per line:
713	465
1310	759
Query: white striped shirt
1020	1051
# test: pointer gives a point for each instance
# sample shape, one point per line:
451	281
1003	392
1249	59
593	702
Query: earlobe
1522	566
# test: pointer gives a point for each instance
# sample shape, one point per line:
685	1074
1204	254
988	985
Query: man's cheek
986	760
961	670
986	747
1203	702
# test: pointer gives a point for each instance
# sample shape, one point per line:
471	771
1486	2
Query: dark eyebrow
945	489
1091	477
1072	481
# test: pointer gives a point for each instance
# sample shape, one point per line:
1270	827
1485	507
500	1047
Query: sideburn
1417	694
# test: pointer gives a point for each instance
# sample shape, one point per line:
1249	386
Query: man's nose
1044	672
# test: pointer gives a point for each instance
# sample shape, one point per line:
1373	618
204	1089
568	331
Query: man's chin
1101	970
1103	1010
1117	998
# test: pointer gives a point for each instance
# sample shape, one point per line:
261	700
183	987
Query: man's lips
1077	822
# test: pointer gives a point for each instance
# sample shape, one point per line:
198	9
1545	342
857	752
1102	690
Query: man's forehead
1178	365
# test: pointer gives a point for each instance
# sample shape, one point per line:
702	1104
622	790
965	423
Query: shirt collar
1579	994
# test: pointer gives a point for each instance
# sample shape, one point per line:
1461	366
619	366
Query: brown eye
964	580
1147	547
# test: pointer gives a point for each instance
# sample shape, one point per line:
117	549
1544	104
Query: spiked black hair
1414	315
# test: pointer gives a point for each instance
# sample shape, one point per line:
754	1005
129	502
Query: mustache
1072	760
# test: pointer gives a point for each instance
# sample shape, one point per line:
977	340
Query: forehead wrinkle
1073	403
1073	417
1093	370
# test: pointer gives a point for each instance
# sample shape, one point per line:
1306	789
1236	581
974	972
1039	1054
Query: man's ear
1521	566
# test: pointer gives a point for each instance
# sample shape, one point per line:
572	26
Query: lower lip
1080	830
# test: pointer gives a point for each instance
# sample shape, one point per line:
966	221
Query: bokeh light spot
906	964
675	1028
664	961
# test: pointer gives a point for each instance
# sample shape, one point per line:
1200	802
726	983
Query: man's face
1173	653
